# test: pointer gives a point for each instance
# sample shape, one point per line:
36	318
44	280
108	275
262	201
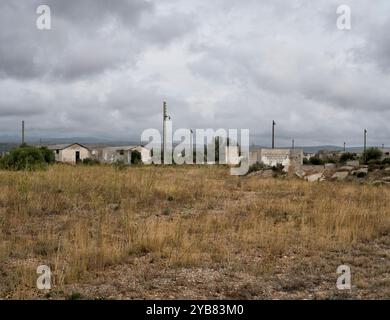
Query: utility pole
273	134
164	128
293	144
192	144
383	146
365	146
22	132
345	146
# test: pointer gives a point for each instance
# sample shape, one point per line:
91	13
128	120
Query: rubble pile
332	172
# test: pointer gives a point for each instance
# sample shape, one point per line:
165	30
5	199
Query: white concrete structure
70	153
122	153
232	155
273	157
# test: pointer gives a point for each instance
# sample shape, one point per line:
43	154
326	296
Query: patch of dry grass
81	220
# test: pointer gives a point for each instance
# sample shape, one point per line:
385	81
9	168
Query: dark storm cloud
87	37
106	66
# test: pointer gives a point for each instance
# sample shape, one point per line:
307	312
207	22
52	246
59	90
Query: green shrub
48	155
120	165
347	156
386	161
330	160
256	167
90	162
278	168
316	161
374	162
372	154
26	158
306	161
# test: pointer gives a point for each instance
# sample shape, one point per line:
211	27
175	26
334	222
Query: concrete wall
114	154
232	155
254	156
271	157
111	155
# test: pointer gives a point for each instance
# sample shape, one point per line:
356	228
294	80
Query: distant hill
315	149
83	140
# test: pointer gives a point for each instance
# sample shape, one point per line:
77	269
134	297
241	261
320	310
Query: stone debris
330	172
361	173
300	174
346	168
353	163
315	177
340	175
330	166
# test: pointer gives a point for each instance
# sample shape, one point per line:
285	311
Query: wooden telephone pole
365	146
164	127
22	132
273	134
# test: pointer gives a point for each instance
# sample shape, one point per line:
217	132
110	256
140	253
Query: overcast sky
105	67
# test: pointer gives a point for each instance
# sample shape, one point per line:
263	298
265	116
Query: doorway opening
78	156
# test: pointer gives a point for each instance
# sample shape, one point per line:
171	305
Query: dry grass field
189	232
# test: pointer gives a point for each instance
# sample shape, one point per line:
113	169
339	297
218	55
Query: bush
306	161
386	161
278	168
26	158
374	162
316	161
330	160
90	162
256	167
120	165
347	156
372	154
48	155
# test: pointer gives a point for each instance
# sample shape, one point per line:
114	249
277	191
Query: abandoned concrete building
120	154
70	153
288	158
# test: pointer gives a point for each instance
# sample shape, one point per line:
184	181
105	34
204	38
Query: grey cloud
87	37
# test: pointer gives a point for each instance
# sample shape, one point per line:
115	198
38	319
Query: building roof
124	148
64	146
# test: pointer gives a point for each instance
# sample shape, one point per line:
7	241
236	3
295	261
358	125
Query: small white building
70	153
